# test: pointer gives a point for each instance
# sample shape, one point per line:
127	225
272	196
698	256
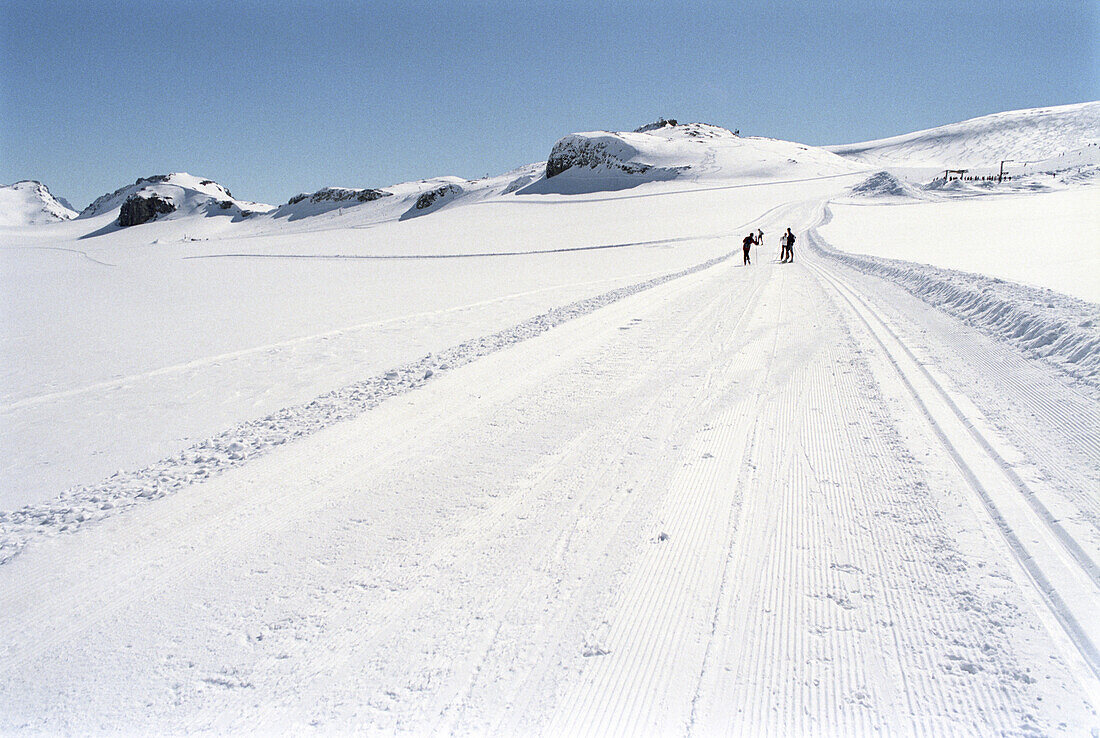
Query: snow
1036	134
30	203
539	457
1045	239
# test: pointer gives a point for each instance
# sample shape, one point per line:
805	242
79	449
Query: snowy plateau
539	454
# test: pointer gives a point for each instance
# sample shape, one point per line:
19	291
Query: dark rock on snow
340	194
427	199
139	208
572	151
659	123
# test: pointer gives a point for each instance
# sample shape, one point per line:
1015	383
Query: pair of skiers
786	245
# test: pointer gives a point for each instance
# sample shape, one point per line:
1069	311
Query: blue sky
276	98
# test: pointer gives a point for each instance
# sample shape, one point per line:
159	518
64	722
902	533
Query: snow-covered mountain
1034	135
177	193
30	203
606	160
591	162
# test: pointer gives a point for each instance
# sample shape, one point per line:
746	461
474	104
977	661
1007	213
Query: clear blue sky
274	98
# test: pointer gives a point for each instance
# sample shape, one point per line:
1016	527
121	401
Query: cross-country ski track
750	500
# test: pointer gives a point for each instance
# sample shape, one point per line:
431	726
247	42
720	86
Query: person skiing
747	244
786	242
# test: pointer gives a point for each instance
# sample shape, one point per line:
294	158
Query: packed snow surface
30	203
537	454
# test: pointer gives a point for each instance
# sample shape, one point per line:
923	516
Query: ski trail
715	506
659	634
850	609
78	252
1051	429
1054	561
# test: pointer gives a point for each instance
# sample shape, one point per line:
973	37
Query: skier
787	242
747	244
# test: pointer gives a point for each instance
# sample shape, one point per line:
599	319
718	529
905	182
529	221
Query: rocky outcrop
659	123
340	194
429	198
579	151
142	208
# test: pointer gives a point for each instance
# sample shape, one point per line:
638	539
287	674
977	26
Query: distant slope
404	200
1032	135
30	203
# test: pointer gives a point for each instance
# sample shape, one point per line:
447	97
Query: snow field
1047	240
485	554
150	355
1035	134
237	445
551	464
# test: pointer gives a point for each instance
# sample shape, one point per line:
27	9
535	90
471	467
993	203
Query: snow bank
1047	325
884	185
248	440
30	203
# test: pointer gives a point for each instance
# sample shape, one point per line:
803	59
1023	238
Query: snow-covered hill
176	194
30	203
605	160
1031	135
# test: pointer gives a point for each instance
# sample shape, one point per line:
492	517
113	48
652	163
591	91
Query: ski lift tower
1001	174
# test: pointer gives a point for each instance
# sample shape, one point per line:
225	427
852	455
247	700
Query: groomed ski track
748	501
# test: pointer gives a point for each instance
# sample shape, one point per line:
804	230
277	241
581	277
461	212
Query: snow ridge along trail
1060	329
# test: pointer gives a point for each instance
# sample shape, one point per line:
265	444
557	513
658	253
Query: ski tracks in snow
734	502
